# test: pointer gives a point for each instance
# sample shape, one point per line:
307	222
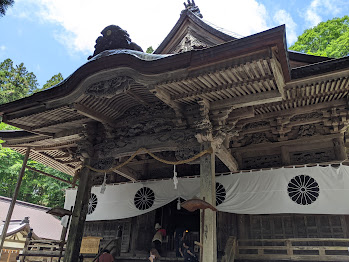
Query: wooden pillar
14	199
134	235
77	223
207	216
339	148
285	156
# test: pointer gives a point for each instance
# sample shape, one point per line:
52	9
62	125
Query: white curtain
307	190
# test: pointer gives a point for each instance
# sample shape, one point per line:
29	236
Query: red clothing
163	232
106	257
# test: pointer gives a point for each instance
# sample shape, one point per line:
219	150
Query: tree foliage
330	39
150	50
4	4
15	82
35	188
53	81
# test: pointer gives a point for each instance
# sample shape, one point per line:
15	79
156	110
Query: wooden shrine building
270	125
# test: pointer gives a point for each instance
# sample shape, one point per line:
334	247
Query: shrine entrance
172	217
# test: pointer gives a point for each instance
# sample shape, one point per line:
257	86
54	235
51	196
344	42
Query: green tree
4	4
53	81
330	39
15	81
35	188
150	50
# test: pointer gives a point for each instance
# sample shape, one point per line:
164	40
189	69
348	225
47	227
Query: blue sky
52	36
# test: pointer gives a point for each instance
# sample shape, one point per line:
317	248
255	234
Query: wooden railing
295	249
43	248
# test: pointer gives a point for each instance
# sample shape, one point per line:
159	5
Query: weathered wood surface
207	216
36	250
79	215
295	249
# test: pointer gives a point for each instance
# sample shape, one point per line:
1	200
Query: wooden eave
298	59
319	83
240	73
51	111
186	19
52	152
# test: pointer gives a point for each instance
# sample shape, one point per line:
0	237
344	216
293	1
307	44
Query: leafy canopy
53	81
15	82
330	39
4	4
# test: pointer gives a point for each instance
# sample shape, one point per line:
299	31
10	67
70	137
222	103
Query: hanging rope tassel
175	179
104	185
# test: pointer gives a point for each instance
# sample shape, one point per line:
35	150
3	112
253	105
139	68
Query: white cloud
147	22
312	15
2	48
282	17
242	17
318	8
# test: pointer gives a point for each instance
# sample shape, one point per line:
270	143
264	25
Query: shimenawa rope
185	161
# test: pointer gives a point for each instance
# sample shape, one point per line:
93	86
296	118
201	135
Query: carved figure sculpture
114	37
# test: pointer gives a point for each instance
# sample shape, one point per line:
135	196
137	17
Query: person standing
157	239
179	235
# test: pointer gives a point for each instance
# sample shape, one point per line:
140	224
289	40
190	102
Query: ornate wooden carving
111	87
316	156
188	43
263	161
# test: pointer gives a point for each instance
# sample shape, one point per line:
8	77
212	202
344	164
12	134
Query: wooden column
77	223
207	216
14	199
339	148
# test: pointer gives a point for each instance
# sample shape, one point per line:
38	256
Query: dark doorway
170	217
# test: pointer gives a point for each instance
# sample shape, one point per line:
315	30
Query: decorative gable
192	32
188	43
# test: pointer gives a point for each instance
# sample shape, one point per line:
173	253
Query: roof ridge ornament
114	37
191	6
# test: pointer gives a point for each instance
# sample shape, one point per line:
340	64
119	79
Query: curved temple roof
242	82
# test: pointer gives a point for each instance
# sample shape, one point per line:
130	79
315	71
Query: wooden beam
90	113
30	129
137	97
129	176
165	141
277	72
250	100
13	201
63	156
198	93
69	132
49	175
225	156
41	149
